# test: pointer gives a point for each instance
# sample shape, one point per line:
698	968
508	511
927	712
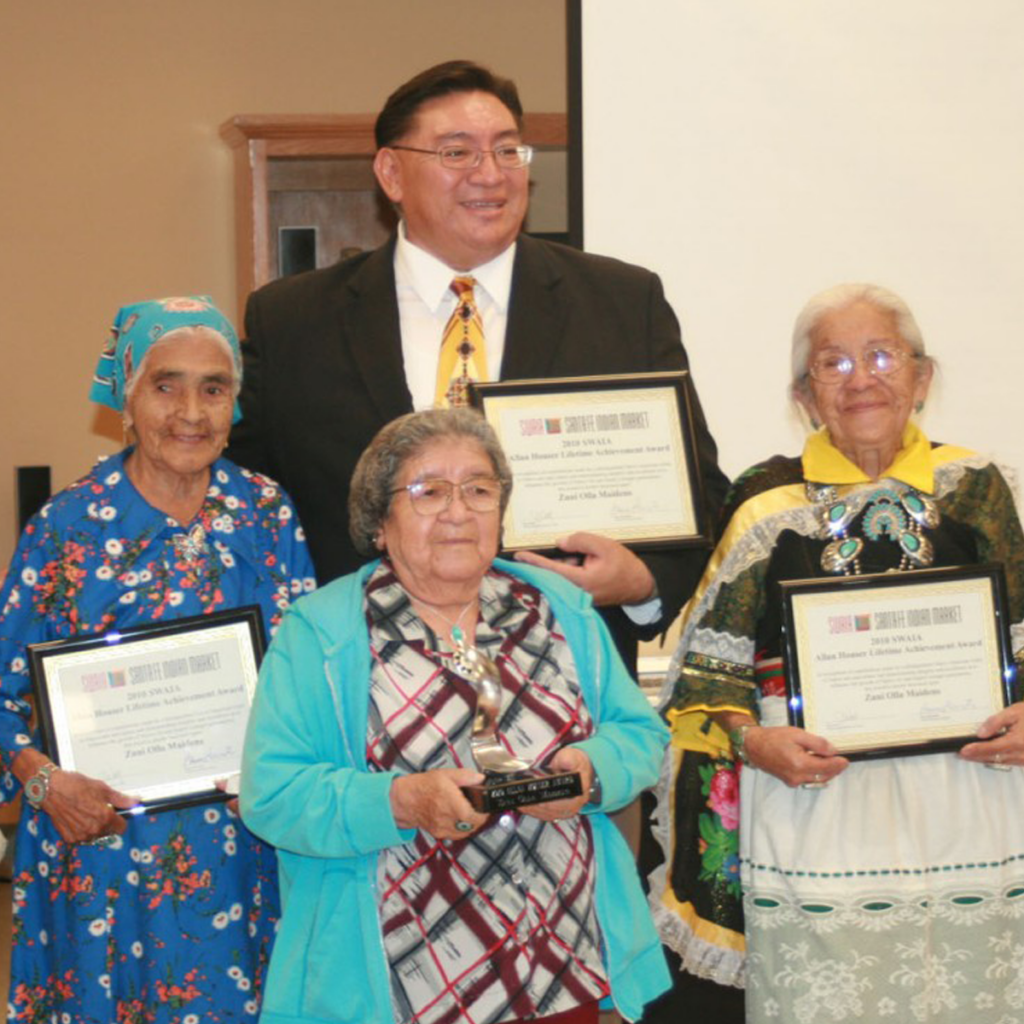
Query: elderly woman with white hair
872	889
154	917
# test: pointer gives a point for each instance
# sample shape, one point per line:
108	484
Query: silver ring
463	826
102	841
999	757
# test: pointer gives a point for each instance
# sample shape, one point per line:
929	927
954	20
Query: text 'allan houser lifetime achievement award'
898	663
613	455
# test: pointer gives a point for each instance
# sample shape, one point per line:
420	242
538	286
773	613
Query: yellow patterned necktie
463	358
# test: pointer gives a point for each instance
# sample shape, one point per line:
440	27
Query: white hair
201	330
839	297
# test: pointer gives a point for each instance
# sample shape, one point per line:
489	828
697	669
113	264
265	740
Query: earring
919	407
815	425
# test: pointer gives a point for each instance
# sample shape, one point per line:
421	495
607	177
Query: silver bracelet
738	739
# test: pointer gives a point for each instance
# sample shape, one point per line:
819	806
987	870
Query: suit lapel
371	330
536	315
370	325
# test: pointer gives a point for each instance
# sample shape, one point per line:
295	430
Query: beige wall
116	186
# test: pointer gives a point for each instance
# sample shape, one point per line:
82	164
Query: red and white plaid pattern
501	925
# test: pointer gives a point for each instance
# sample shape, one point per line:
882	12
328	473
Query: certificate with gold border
156	710
898	663
613	455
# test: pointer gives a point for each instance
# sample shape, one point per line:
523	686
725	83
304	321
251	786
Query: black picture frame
105	662
554	395
916	636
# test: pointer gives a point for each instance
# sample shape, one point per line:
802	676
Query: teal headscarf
137	328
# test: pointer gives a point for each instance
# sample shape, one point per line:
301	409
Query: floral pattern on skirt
174	922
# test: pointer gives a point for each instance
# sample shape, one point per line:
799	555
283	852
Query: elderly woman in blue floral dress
157	917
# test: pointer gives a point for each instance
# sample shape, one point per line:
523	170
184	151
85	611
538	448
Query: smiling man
458	170
458	294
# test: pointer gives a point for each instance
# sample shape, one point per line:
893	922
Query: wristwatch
38	786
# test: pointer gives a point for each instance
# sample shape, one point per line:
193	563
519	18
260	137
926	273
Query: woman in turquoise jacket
402	902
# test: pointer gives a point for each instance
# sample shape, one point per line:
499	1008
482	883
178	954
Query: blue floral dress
175	921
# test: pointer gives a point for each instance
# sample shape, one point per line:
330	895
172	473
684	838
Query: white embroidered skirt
897	892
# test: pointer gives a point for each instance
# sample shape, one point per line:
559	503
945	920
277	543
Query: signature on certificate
205	758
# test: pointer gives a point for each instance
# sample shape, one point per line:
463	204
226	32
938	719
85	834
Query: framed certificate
157	710
612	455
898	663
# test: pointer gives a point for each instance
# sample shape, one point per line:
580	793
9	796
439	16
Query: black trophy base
507	791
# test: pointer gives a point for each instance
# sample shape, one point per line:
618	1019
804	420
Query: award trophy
509	782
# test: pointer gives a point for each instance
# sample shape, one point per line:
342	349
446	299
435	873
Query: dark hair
453	76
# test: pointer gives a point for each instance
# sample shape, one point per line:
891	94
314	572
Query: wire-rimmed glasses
429	497
880	361
509	157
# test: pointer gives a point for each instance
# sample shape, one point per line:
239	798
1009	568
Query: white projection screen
753	153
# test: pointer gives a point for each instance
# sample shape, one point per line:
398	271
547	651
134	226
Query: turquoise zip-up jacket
306	789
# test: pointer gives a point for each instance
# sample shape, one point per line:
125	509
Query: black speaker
33	492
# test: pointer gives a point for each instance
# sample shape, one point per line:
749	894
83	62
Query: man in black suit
333	355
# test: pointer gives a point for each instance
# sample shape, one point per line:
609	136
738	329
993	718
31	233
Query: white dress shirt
425	304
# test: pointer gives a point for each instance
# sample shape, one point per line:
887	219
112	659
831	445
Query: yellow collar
825	464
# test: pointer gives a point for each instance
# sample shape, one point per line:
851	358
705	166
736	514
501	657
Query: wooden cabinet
312	175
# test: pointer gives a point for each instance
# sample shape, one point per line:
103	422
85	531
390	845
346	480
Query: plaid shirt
501	925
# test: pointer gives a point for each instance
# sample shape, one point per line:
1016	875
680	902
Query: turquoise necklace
456	632
894	511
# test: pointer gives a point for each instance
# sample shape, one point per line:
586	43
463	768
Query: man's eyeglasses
835	367
465	158
429	497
